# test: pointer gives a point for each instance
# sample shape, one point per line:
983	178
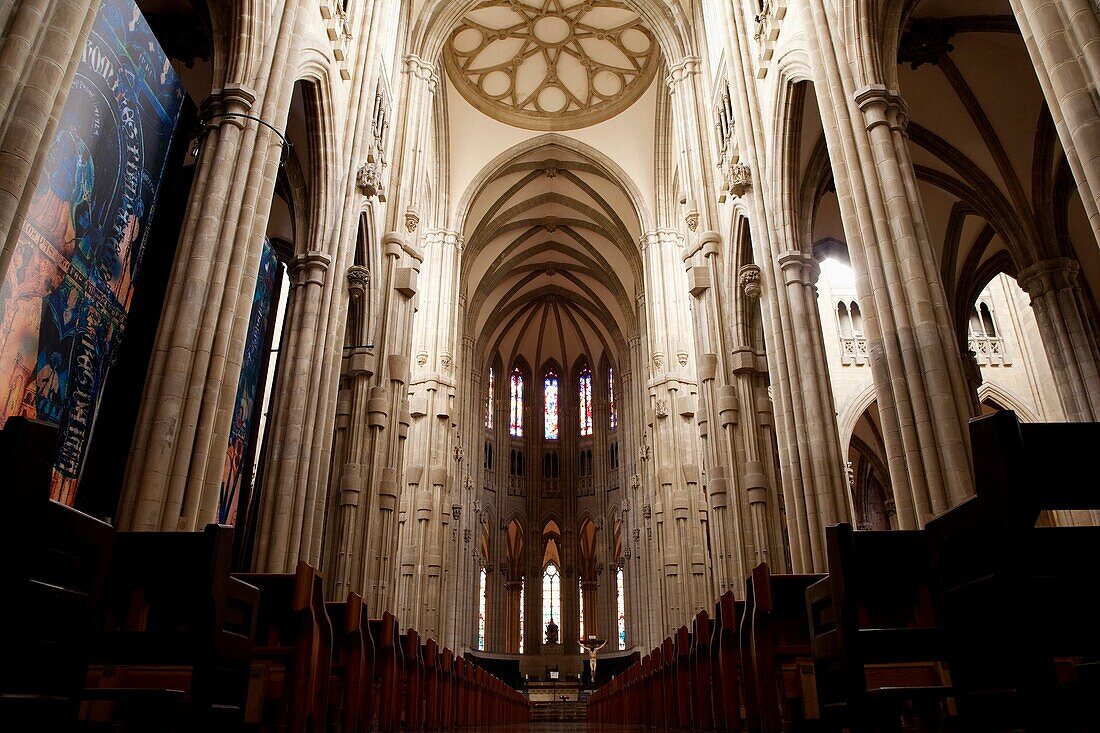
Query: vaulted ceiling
551	267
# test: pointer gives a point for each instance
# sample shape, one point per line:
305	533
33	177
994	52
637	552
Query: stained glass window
612	407
580	596
585	401
521	615
515	420
489	403
551	595
481	613
621	608
550	407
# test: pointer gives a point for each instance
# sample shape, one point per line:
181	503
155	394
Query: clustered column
679	512
1063	39
919	382
178	455
1071	344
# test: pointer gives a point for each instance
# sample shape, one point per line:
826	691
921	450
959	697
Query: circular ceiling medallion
551	64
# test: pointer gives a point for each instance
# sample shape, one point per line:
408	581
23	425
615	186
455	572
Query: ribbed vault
551	267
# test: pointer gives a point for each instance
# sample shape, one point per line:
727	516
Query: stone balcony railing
853	351
989	350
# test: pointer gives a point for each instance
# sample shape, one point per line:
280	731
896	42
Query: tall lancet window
550	406
551	595
580	597
481	613
621	600
612	406
584	392
489	402
515	412
521	603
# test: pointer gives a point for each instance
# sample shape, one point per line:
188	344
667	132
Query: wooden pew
350	695
775	652
681	674
55	564
413	681
175	620
726	672
462	698
877	645
1017	597
433	689
447	697
702	678
388	671
667	652
293	655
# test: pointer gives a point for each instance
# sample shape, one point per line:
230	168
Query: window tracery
621	609
612	406
551	64
550	406
515	411
584	390
551	596
489	402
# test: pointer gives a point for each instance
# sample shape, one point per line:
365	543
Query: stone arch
853	412
609	168
994	392
318	97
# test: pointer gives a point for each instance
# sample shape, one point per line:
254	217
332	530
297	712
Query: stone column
679	509
510	618
285	525
810	458
431	447
1063	39
753	444
39	52
1068	337
349	491
812	473
178	455
375	460
914	354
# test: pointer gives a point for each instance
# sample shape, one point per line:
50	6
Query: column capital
799	268
882	106
681	70
230	98
1057	273
358	280
309	268
421	69
659	236
748	277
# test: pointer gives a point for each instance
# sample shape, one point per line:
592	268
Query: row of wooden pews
744	666
986	620
152	631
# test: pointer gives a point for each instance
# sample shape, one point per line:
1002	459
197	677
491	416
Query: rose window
551	64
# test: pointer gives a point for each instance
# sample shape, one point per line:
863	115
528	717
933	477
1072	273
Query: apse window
481	612
584	395
621	597
515	411
612	407
550	406
489	403
551	597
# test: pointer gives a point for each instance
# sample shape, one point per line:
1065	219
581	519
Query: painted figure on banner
66	296
241	439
